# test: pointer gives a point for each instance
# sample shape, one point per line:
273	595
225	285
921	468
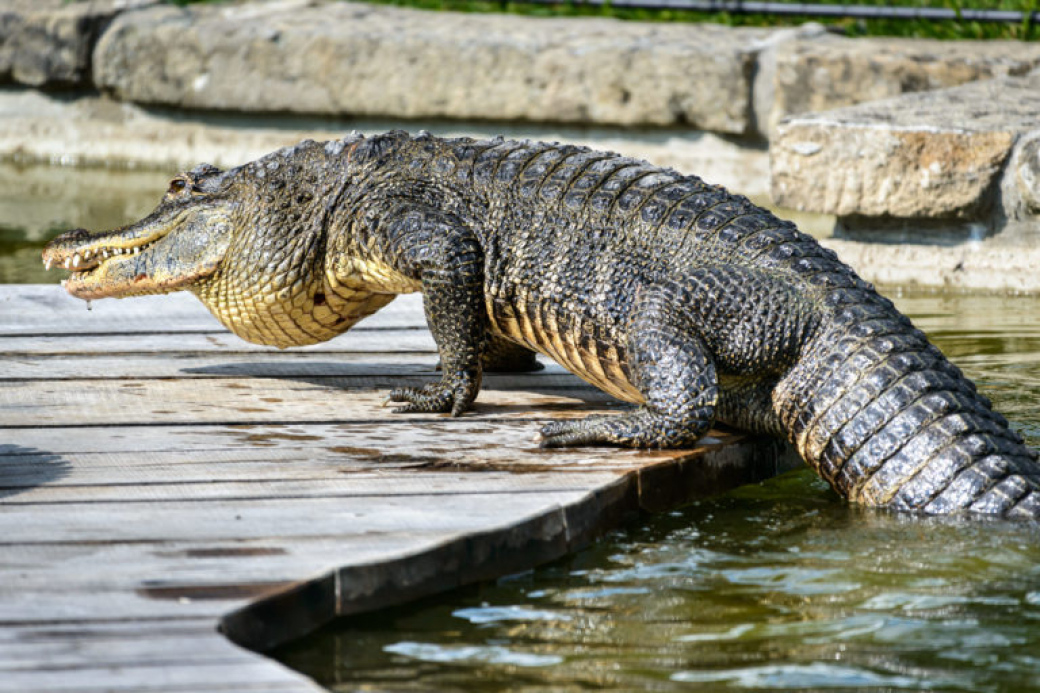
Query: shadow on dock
22	469
375	375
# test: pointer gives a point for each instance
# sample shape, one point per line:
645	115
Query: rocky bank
921	149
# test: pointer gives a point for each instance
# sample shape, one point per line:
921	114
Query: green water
39	202
779	586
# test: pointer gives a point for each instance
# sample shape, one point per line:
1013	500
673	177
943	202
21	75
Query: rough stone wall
347	59
50	43
936	155
342	58
900	139
828	72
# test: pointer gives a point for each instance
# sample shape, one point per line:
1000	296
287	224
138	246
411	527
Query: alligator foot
672	368
455	396
641	428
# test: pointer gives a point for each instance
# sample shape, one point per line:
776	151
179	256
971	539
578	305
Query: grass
949	30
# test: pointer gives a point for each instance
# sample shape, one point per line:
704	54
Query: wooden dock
168	490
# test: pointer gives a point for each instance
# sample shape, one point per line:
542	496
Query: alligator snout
69	250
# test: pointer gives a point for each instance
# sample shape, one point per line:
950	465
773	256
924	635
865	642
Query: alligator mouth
95	260
166	251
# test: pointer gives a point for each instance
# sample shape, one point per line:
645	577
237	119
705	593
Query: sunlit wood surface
161	479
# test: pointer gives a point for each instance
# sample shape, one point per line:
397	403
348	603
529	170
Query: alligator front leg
672	368
445	256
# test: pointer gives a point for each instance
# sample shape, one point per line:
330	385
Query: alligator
687	301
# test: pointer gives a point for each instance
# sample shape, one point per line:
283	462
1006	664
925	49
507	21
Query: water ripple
452	654
815	675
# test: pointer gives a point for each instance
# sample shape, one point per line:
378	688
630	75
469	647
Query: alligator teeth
86	254
47	264
76	259
104	253
137	250
68	263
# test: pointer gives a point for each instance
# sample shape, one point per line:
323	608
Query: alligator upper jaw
79	250
103	264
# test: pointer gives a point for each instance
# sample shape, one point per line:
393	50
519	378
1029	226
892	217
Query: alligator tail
888	421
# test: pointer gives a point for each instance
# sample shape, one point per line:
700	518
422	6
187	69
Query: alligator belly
577	344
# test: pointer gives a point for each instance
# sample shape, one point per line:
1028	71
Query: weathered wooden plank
168	469
100	566
254	518
224	677
352	372
102	629
199	454
172	588
130	601
47	309
350	488
364	440
251	400
402	340
140	643
269	364
88	471
138	655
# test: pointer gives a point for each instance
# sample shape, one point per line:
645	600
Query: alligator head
249	242
179	244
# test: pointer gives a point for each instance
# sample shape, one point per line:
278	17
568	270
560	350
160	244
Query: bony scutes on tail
672	294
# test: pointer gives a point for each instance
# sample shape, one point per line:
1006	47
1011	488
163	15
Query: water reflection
771	587
39	202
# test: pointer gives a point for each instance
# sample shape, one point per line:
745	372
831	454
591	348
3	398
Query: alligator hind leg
674	371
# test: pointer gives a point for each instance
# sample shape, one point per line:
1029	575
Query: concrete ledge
90	131
938	189
934	155
50	42
969	266
339	58
823	72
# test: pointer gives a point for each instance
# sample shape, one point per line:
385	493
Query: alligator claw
639	428
435	398
574	432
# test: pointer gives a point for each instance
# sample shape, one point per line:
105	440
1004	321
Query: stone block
938	155
1020	187
45	43
823	72
340	58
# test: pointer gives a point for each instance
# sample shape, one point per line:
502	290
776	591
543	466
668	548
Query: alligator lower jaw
88	259
115	276
100	264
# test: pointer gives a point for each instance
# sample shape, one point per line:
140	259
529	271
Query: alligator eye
177	185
